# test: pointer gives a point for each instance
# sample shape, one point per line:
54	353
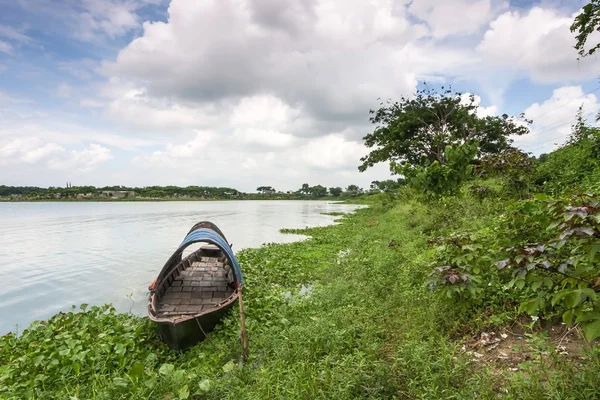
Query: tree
305	188
318	191
265	189
585	24
389	184
418	130
352	188
335	191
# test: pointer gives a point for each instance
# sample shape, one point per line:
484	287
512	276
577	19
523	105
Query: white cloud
539	43
264	137
28	150
553	118
454	17
53	129
81	160
328	152
197	56
211	158
482	112
11	33
5	47
276	92
34	150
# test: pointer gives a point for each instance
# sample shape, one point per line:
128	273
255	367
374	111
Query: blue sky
262	92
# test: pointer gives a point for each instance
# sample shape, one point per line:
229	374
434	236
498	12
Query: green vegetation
397	301
157	193
345	314
415	132
20	193
585	24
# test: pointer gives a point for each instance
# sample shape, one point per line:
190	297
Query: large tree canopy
417	130
585	24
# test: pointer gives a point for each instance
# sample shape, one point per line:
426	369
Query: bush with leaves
441	178
482	192
563	274
513	166
551	263
574	165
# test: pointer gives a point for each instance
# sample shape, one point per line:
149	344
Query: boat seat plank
199	288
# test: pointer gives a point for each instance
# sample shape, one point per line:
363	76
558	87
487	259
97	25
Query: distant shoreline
132	200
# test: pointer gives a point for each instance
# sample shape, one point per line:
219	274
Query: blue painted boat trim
210	236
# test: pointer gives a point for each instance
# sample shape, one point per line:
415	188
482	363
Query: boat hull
185	334
192	294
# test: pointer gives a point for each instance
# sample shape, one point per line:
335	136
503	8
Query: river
54	255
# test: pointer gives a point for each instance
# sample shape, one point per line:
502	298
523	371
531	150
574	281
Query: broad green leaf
38	360
184	393
136	370
520	284
558	296
553	225
529	306
228	367
567	317
573	299
166	369
76	368
83	307
120	349
589	293
591	330
150	383
589	316
205	386
120	382
179	375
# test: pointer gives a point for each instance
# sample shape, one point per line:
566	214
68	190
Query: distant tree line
188	192
92	192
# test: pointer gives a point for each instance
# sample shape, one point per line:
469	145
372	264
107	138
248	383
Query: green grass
367	328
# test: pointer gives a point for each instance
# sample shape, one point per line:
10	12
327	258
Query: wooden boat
191	294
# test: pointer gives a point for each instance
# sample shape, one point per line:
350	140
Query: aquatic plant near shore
370	328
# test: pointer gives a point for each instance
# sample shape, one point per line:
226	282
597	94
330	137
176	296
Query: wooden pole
243	333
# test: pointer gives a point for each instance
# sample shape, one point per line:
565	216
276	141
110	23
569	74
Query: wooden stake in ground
243	333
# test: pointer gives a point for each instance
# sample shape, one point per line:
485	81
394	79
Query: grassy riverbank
345	314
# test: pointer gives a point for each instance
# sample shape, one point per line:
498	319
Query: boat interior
202	282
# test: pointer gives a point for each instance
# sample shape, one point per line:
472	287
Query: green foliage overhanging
585	24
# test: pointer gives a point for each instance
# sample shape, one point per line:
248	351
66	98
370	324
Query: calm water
54	255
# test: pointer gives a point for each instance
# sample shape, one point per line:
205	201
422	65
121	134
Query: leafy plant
513	165
482	192
565	270
438	179
585	24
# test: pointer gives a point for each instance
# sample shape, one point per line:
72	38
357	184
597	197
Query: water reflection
53	255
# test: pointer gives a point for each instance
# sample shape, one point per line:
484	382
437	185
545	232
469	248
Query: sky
247	93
